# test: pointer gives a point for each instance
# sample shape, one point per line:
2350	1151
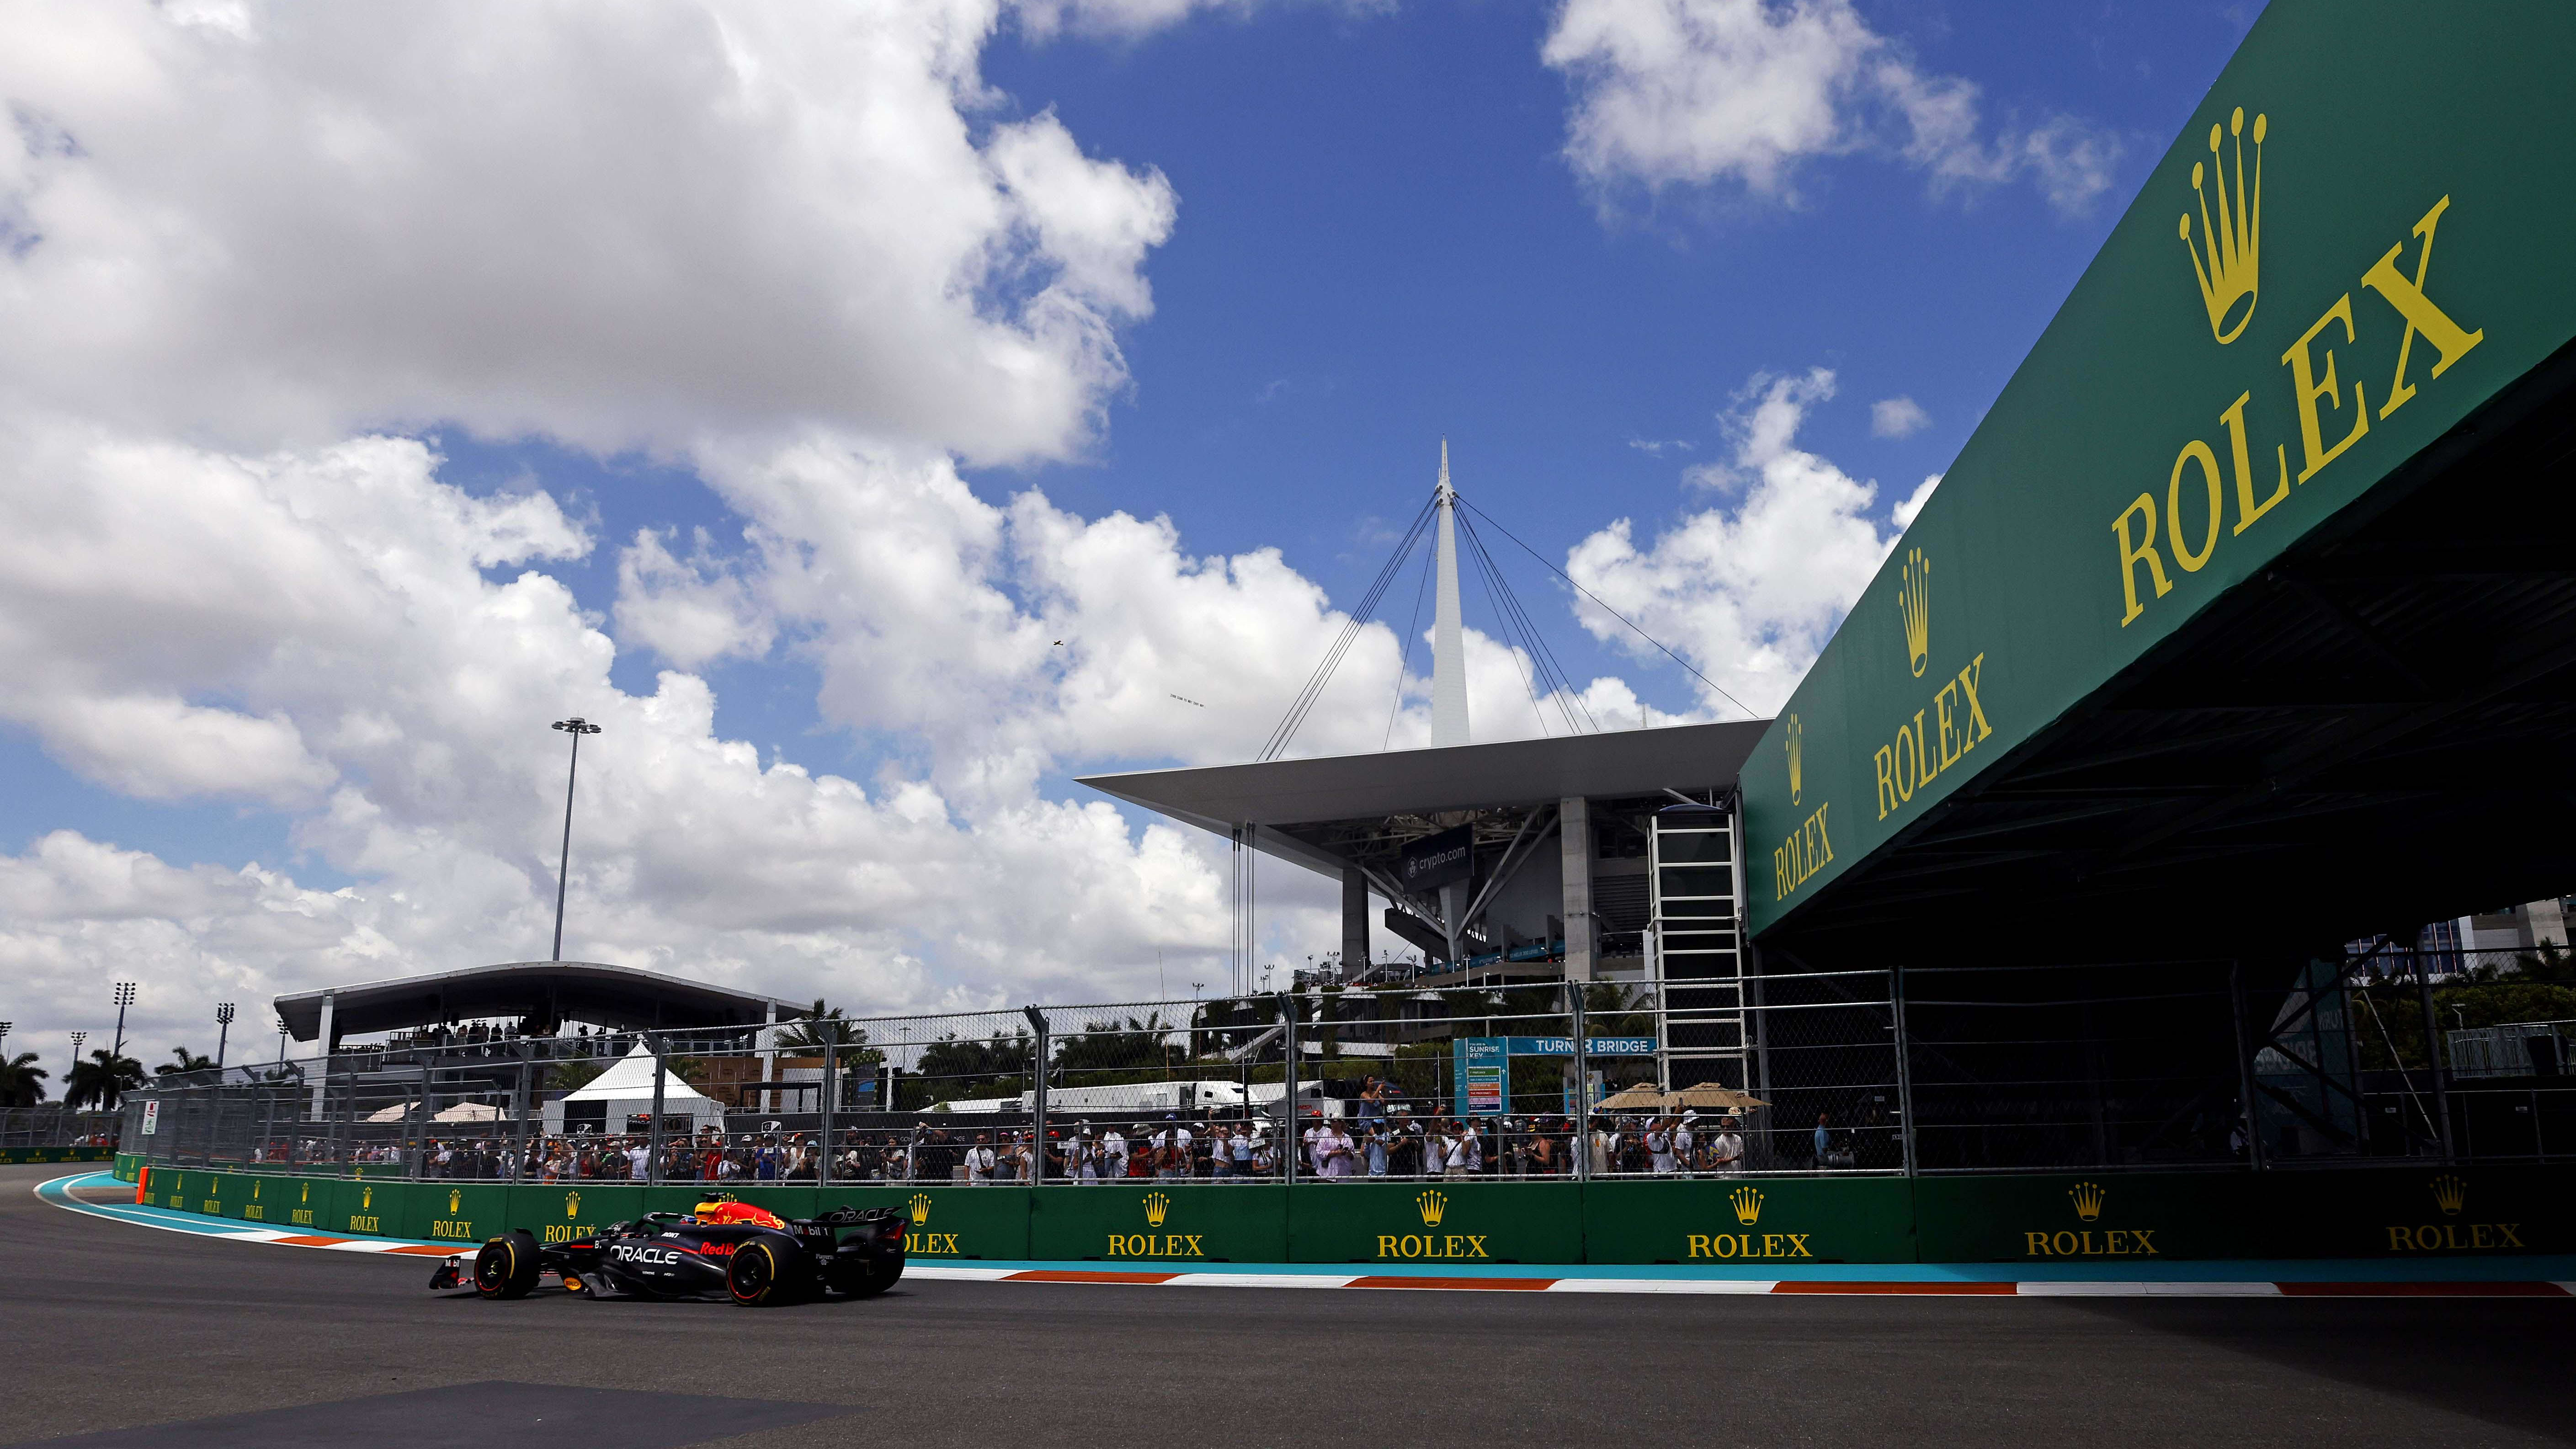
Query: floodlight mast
575	727
124	999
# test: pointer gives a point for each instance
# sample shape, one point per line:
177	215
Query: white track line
2148	1290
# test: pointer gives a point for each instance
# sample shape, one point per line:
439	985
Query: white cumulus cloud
251	256
617	225
1673	93
1897	417
1748	590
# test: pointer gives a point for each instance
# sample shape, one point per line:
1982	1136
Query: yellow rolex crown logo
2234	244
366	1198
1434	1207
455	1199
1157	1206
308	1193
1796	736
2450	1195
1914	601
920	1208
254	1188
1748	1205
572	1204
2087	1197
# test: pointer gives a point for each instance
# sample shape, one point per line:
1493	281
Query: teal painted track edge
58	1191
2554	1268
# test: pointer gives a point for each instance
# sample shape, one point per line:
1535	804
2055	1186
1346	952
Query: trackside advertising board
2361	236
2413	1210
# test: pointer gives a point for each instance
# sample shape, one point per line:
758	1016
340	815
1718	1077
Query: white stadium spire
1448	656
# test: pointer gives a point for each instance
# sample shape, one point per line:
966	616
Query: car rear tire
766	1271
508	1265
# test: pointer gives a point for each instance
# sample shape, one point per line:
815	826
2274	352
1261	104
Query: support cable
1613	613
1527	662
1405	663
1552	671
1358	620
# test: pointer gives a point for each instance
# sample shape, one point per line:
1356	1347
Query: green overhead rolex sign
2364	233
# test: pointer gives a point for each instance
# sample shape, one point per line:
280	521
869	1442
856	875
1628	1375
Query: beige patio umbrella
471	1112
1642	1097
1710	1094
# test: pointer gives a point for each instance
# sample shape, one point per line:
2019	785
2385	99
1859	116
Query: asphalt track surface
111	1327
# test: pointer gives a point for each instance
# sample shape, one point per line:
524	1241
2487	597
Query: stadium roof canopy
1290	803
550	992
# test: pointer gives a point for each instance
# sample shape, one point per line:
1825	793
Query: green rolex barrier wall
1747	1222
52	1154
2100	1220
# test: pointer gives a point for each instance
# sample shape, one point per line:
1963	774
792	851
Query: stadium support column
1355	931
1574	850
322	1054
769	1060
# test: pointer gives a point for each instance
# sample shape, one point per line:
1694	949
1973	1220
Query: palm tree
22	1082
821	1026
828	1027
184	1060
101	1080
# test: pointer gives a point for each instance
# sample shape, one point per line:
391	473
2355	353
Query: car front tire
508	1266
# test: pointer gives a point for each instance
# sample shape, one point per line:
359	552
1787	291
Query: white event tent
626	1090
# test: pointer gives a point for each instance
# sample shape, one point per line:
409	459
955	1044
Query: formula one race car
725	1249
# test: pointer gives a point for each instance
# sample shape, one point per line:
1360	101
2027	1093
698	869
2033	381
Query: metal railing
55	1126
1950	1069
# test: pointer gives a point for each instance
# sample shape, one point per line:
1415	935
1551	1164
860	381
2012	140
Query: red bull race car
725	1249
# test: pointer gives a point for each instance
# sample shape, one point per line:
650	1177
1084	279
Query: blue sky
1380	242
1362	228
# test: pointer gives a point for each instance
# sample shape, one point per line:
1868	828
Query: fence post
2245	1067
1582	1085
526	1104
344	1121
831	1095
416	1128
1288	1141
1036	1165
1904	1067
2433	1053
653	1134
